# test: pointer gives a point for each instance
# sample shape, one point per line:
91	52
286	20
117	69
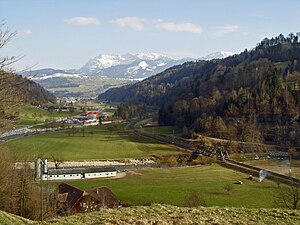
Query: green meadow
167	130
30	115
285	167
171	186
89	143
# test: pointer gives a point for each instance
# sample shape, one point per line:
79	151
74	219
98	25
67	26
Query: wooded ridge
254	95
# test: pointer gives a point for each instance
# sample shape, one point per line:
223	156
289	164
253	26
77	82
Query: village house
72	199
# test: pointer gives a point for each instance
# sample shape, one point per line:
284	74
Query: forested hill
277	53
255	90
16	88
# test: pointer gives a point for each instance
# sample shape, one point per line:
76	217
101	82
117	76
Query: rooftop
91	169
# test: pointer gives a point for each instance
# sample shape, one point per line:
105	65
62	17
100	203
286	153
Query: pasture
30	115
166	130
171	186
282	166
89	143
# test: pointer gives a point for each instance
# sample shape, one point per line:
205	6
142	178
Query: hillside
178	79
165	214
252	96
16	90
26	90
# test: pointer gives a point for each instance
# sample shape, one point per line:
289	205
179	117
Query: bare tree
8	81
57	159
6	178
5	36
288	196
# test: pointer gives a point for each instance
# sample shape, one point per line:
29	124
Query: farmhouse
71	173
73	200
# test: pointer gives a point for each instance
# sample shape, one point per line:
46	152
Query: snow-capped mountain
44	74
131	66
217	55
109	70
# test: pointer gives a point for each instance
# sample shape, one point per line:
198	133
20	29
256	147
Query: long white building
71	173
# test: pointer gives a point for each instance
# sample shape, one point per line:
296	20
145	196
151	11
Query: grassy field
171	186
30	115
278	166
167	130
98	142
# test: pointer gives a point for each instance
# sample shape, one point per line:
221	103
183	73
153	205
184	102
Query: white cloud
156	21
82	21
226	29
138	24
24	33
134	23
179	27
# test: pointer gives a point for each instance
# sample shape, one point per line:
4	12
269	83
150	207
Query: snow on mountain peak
127	64
149	56
143	65
105	61
217	55
226	54
136	64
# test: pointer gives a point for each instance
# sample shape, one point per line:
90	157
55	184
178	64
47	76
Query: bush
204	160
193	199
172	161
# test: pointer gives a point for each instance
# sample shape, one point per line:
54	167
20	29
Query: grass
170	186
166	214
167	130
105	142
30	115
278	166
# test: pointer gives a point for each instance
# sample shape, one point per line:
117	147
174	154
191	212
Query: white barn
71	173
78	173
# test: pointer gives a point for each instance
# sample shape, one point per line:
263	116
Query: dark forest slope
16	87
282	52
252	96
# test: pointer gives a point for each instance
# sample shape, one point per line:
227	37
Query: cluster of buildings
59	108
73	100
87	118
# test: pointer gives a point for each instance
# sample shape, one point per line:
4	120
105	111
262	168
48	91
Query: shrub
204	160
193	199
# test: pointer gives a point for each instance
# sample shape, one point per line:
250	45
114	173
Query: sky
65	34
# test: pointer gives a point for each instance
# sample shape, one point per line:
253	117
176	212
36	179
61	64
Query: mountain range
108	69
